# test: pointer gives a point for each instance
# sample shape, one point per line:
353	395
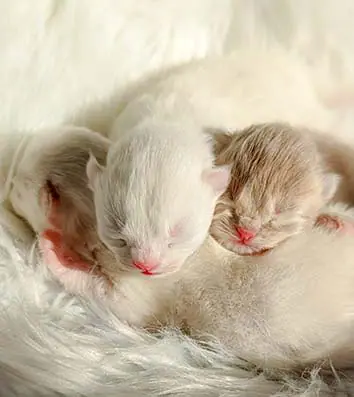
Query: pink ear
93	171
176	229
218	178
331	182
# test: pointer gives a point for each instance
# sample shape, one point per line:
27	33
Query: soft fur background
68	61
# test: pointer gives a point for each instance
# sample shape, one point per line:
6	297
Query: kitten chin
222	230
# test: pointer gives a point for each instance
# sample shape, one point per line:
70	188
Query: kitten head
277	186
53	169
154	204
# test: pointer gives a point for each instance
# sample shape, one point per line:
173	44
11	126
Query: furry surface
53	344
65	60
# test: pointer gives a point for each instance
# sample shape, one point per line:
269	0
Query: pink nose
146	268
244	235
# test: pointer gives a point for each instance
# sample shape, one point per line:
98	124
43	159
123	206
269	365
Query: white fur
231	93
157	193
42	349
63	61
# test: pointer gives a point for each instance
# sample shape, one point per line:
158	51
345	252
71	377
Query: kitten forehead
150	185
144	170
270	160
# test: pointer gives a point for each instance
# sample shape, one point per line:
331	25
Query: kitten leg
66	257
74	276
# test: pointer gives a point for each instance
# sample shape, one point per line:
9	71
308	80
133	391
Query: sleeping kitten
278	186
49	189
155	198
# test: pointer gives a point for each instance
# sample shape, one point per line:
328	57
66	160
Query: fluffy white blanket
66	61
55	344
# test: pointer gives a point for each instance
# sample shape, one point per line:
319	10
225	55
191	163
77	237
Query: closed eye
113	240
174	233
120	242
236	217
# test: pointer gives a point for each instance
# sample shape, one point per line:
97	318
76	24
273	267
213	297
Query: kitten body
230	93
151	199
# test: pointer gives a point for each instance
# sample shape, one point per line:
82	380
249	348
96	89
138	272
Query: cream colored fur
251	86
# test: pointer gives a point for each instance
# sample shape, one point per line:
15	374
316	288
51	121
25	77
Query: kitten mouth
155	271
256	253
144	269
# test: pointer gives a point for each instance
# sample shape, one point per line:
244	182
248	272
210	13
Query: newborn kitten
278	186
155	198
50	189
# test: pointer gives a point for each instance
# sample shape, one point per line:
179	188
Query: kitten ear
221	140
218	178
331	182
93	171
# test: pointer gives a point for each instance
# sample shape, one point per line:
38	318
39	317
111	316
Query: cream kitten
155	197
278	185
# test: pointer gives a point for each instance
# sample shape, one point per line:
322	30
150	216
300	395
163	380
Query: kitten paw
53	245
330	222
334	223
76	275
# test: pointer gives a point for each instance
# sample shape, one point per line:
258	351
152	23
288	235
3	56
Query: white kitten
156	196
